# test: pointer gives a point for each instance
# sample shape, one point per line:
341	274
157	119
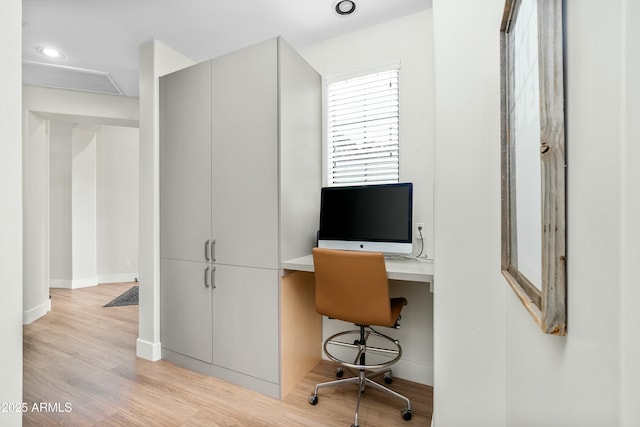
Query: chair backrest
352	286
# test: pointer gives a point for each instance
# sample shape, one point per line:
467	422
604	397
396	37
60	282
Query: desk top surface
412	270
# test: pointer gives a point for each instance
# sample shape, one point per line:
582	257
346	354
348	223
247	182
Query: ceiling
100	39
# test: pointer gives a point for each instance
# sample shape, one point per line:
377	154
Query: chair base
365	371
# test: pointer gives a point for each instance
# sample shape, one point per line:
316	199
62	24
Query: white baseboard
92	281
418	372
117	278
60	284
84	283
148	350
29	316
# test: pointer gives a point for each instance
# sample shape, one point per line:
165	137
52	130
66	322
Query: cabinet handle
213	277
206	250
213	250
206	272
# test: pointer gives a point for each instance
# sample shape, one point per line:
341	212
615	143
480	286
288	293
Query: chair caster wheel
339	372
313	399
406	414
388	378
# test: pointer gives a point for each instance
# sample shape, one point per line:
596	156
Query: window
362	134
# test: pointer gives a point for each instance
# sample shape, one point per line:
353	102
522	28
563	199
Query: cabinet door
245	321
245	156
186	308
185	163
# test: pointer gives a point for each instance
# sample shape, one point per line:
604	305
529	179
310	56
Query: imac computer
373	218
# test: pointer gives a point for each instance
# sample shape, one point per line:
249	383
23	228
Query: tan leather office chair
353	286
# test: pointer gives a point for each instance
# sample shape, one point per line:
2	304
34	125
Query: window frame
326	81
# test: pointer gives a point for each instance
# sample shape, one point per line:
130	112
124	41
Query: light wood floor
83	355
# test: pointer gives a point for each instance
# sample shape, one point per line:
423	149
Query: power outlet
126	263
420	231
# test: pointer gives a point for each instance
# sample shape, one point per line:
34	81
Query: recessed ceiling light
50	52
345	7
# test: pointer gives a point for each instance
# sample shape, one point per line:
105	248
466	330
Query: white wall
469	311
630	212
81	106
409	40
40	105
156	59
60	202
100	245
117	204
493	366
35	185
84	266
11	210
578	380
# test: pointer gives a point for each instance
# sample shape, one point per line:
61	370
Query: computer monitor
373	218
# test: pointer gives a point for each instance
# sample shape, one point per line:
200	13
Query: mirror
533	159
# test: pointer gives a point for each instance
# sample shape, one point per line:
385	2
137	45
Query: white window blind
362	121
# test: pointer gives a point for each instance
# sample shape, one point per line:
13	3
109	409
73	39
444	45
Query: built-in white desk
301	325
406	269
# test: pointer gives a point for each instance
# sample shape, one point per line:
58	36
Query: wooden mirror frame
546	302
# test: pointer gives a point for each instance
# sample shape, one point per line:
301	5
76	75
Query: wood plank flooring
80	369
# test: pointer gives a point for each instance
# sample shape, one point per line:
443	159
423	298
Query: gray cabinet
185	163
246	302
187	315
245	156
223	203
185	212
